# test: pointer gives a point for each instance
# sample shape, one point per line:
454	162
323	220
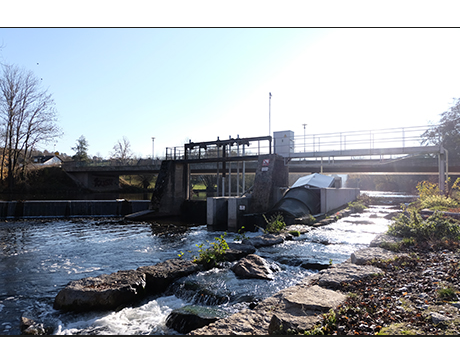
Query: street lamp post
304	141
153	149
269	113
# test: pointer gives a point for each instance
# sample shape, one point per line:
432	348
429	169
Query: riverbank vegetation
419	291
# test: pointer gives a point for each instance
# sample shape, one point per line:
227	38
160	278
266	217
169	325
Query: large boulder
160	276
192	317
365	256
110	291
237	251
105	292
301	309
345	273
253	266
265	240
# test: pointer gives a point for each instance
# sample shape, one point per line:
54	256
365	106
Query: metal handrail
401	137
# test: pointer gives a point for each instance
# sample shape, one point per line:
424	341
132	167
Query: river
39	257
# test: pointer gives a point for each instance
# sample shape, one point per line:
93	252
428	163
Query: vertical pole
442	171
447	170
404	138
187	181
238	172
269	113
230	179
244	173
217	178
224	167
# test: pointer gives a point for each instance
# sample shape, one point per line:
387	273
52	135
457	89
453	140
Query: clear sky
177	84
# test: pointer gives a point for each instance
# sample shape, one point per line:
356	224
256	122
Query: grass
447	294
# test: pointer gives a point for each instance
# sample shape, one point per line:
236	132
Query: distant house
46	160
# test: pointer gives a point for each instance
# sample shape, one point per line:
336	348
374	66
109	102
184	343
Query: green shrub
214	254
357	206
438	202
435	227
430	196
275	224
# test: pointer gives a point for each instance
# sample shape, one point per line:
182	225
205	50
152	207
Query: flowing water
39	257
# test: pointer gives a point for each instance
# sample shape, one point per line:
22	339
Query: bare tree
27	118
122	150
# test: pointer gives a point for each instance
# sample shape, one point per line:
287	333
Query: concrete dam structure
312	195
171	197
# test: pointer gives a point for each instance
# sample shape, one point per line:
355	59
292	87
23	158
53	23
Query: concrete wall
217	211
226	212
271	175
70	208
237	207
333	198
94	182
171	188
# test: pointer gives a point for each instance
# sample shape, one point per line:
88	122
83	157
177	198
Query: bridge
390	151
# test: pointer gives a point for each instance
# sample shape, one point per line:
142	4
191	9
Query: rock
302	309
237	251
30	327
295	308
365	256
253	266
438	318
314	298
110	291
105	292
160	276
265	240
344	273
245	322
296	262
192	290
315	266
381	239
188	318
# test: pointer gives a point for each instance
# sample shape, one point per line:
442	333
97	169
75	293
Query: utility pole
269	114
304	141
153	148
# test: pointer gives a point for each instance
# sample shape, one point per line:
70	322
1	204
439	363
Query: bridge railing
111	163
366	139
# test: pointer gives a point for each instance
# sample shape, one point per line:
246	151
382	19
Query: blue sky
177	84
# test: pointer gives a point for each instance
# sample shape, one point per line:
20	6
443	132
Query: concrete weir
70	208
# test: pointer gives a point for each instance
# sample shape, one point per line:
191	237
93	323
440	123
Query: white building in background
46	161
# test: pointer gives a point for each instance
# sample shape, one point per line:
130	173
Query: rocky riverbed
414	292
376	291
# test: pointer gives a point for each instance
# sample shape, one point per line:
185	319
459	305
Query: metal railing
233	147
364	139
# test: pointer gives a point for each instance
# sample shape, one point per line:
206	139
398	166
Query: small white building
46	161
